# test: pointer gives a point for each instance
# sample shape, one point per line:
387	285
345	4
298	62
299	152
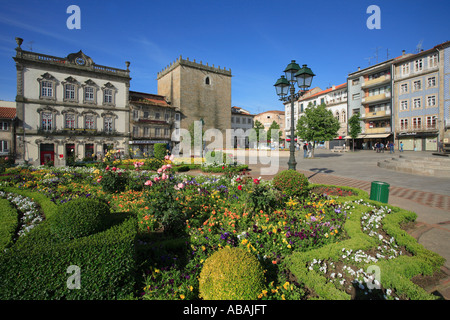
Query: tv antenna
30	45
369	58
376	54
419	46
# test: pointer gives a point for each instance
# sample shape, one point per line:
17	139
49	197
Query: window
232	119
207	82
4	126
146	114
431	122
344	116
417	123
322	100
157	115
431	82
69	93
249	121
301	107
157	132
47	89
417	102
404	88
433	60
403	124
70	121
108	124
146	132
89	122
337	115
4	146
403	105
238	120
355	82
418	65
89	94
431	101
405	69
108	96
417	85
166	117
136	114
177	116
47	121
166	132
135	131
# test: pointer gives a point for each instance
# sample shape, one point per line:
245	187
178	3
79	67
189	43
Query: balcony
416	128
378	130
377	114
75	132
378	81
376	98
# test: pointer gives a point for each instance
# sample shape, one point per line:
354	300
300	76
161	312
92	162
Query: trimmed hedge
36	266
8	223
395	273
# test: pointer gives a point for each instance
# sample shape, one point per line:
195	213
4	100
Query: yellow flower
286	285
182	296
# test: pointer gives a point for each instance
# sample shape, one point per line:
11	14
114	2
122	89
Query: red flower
223	167
256	181
239	187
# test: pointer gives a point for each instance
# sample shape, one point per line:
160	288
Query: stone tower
198	92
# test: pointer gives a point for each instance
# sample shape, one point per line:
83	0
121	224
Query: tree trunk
353	144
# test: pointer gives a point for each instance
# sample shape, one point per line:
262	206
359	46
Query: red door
47	153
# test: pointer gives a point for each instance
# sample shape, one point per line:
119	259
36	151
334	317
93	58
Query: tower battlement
193	64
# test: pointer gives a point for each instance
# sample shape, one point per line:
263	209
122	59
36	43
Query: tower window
207	80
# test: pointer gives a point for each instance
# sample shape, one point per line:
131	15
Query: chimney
403	52
359	68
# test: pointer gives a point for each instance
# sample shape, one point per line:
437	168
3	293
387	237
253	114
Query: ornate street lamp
286	91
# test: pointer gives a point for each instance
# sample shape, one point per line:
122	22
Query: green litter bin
379	191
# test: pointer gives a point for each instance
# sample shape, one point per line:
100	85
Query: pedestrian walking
391	147
440	146
305	150
401	146
309	150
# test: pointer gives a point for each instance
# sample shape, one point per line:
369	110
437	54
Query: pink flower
164	167
181	185
159	170
239	187
164	176
107	168
256	181
114	169
148	183
171	157
156	179
166	157
168	166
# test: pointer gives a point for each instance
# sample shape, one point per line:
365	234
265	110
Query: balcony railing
370	83
378	130
377	98
417	128
377	114
76	131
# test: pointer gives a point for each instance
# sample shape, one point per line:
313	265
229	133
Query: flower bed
320	246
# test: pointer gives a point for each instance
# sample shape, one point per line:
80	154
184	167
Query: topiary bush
291	183
231	274
78	218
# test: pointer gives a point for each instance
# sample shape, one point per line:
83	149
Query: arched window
344	118
337	115
207	80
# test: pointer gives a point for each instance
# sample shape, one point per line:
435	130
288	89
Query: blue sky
256	39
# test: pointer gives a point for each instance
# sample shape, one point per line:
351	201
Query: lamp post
285	89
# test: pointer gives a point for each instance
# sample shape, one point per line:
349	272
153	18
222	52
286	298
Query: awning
360	136
380	135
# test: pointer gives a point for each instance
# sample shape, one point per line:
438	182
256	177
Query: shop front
144	148
418	141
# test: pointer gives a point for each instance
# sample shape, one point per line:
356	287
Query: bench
338	149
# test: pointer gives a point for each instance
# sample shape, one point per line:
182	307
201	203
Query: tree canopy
317	124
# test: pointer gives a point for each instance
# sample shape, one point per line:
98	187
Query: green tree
354	124
318	124
254	134
277	135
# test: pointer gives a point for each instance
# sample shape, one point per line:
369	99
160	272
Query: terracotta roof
324	91
7	113
271	111
148	98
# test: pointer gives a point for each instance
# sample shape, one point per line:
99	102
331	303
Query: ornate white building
69	108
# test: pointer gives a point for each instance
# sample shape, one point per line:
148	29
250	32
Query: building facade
241	119
69	108
7	128
335	99
370	95
268	117
417	112
198	92
152	120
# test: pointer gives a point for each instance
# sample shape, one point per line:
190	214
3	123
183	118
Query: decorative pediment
69	110
47	76
109	85
109	114
47	109
90	83
80	59
70	80
89	112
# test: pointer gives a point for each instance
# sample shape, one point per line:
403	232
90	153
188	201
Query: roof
271	111
324	92
149	99
240	111
7	113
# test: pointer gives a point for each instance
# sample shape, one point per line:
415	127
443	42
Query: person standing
391	147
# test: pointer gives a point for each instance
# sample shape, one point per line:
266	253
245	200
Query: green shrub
114	180
153	164
36	266
231	274
79	218
291	183
159	150
8	223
